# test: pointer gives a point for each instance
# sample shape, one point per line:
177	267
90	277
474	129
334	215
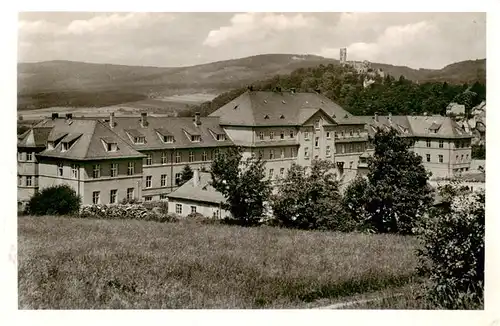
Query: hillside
66	83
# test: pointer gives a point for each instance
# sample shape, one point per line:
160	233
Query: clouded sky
418	40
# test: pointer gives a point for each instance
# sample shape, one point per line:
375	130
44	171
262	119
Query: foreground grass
67	263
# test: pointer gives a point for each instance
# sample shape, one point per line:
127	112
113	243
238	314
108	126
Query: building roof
181	128
85	138
34	137
202	192
257	108
418	126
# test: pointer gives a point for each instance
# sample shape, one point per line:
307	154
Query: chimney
144	119
111	120
292	90
196	178
390	117
69	116
376	116
197	121
55	116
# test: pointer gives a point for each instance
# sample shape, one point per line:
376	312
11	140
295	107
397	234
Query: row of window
441	158
282	135
291	134
178	209
351	148
328	152
178	157
458	144
272	152
169	139
113	196
163	180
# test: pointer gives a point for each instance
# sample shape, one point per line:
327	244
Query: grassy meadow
70	263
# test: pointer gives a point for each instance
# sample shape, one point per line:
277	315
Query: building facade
110	160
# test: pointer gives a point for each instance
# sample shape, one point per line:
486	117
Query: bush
127	211
453	252
56	200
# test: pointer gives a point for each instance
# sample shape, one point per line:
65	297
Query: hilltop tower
343	56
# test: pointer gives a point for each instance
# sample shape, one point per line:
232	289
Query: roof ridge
94	123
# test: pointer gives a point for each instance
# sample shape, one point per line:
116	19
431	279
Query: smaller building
198	196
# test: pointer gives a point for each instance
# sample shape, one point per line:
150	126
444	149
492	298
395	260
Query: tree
242	184
398	194
354	200
56	200
453	251
309	199
187	174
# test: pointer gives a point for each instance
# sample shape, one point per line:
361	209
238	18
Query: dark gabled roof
174	126
418	126
278	109
56	136
35	137
71	137
87	141
204	192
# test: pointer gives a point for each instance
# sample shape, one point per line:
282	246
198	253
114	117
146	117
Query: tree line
344	85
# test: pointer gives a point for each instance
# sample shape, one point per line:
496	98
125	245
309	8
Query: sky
417	40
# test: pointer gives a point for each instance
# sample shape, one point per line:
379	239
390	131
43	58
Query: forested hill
387	94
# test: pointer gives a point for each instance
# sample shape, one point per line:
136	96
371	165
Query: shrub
56	200
127	211
453	252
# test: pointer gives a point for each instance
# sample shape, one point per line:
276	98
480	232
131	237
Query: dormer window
139	140
50	145
195	138
111	147
266	117
165	136
282	116
168	139
221	137
65	147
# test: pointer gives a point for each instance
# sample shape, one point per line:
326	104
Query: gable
319	114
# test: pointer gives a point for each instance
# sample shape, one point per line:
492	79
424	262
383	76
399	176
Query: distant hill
67	83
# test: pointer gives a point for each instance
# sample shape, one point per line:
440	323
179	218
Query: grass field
67	263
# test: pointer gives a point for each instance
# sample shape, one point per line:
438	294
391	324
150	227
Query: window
316	124
306	152
221	137
466	169
462	158
112	196
328	135
168	139
130	168
428	143
282	135
350	164
195	138
65	147
191	157
294	152
336	135
316	142
271	154
130	193
271	173
164	158
178	208
291	134
467	157
440	158
111	147
306	135
114	170
458	144
74	171
316	157
163	197
96	171
342	134
178	178
193	209
20	156
271	135
282	153
282	172
456	158
95	197
19	180
177	157
261	135
204	156
29	156
149	159
342	148
261	153
350	133
29	181
428	156
163	180
328	151
60	169
148	198
441	143
139	140
148	181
